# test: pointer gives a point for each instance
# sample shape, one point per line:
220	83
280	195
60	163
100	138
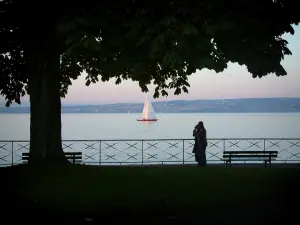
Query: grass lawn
152	195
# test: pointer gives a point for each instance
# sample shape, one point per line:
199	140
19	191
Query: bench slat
76	153
68	157
248	156
73	156
66	153
73	153
246	152
248	159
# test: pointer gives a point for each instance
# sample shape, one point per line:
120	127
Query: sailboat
148	112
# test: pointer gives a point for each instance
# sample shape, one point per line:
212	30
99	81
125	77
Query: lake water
96	126
174	125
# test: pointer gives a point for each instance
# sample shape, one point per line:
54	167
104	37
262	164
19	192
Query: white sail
148	111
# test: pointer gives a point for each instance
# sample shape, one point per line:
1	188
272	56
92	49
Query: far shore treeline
245	105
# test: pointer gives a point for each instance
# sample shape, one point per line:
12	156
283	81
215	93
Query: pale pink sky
235	82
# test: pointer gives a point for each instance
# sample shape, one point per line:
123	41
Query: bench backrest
250	154
69	155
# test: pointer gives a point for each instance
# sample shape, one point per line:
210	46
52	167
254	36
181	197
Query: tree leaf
185	89
177	91
190	30
87	83
118	81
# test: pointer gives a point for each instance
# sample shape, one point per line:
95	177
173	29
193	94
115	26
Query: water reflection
147	124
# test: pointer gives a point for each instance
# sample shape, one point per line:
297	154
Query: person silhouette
200	145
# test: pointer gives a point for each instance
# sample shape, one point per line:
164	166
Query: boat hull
144	120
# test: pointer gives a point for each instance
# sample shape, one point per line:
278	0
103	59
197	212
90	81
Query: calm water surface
175	125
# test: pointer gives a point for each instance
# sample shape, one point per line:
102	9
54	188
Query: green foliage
159	41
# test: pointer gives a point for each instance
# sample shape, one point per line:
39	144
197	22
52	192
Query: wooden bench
266	156
73	156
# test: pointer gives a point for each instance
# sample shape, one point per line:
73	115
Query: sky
234	82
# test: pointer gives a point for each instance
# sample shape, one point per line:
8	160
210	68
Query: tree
44	46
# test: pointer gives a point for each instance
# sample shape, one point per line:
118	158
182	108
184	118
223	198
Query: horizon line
214	99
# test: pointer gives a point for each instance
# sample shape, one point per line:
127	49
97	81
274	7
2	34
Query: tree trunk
45	103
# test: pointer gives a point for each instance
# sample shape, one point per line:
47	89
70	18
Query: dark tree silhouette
44	45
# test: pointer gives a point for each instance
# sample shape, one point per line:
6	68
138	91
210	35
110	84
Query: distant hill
246	105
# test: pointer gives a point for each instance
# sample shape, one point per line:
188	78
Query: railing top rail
164	139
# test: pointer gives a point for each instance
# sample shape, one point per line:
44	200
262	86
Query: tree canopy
45	45
161	41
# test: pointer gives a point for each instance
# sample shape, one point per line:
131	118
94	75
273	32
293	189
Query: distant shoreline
281	112
247	105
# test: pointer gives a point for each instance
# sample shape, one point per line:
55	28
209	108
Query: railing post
224	148
100	153
182	151
12	153
264	144
142	152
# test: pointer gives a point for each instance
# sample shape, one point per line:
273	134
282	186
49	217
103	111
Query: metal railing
156	151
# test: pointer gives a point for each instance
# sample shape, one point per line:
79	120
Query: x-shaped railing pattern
125	150
93	151
155	150
172	145
212	155
19	148
244	144
5	152
276	145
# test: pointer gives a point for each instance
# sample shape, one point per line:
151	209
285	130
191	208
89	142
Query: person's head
200	124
